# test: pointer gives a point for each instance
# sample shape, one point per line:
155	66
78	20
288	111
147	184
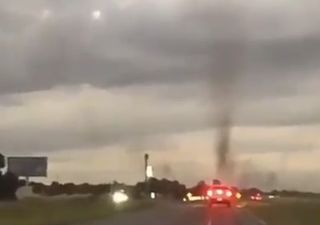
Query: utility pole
2	163
146	164
146	178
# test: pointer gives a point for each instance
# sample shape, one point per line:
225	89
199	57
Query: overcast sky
96	84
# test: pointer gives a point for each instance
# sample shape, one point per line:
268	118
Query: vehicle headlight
119	197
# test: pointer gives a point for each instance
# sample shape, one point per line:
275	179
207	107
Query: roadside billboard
28	166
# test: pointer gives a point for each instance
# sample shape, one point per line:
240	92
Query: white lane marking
241	205
262	222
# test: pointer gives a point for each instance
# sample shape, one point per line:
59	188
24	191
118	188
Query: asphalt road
183	214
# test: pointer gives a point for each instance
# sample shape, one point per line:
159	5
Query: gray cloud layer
165	51
144	44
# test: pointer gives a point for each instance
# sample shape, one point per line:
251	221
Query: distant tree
166	188
83	188
251	191
138	190
9	183
38	188
22	182
54	189
100	189
199	189
69	188
274	192
154	185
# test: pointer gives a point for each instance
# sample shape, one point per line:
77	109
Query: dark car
221	194
256	197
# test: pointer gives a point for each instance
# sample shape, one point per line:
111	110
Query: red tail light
210	193
228	193
219	192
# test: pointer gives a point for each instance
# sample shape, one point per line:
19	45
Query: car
256	197
222	194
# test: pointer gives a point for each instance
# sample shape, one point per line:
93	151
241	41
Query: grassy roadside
288	211
62	211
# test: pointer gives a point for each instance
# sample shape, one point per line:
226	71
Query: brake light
219	192
228	193
238	195
209	193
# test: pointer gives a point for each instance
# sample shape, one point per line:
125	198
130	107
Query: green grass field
62	212
288	211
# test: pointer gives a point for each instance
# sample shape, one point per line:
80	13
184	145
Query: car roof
219	187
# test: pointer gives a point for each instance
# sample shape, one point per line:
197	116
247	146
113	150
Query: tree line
164	187
9	183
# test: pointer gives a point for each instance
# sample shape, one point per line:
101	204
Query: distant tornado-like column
227	69
227	66
222	150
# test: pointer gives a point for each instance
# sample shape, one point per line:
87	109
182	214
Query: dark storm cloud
140	44
12	22
267	147
87	117
171	51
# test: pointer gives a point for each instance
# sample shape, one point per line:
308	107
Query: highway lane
231	216
184	214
